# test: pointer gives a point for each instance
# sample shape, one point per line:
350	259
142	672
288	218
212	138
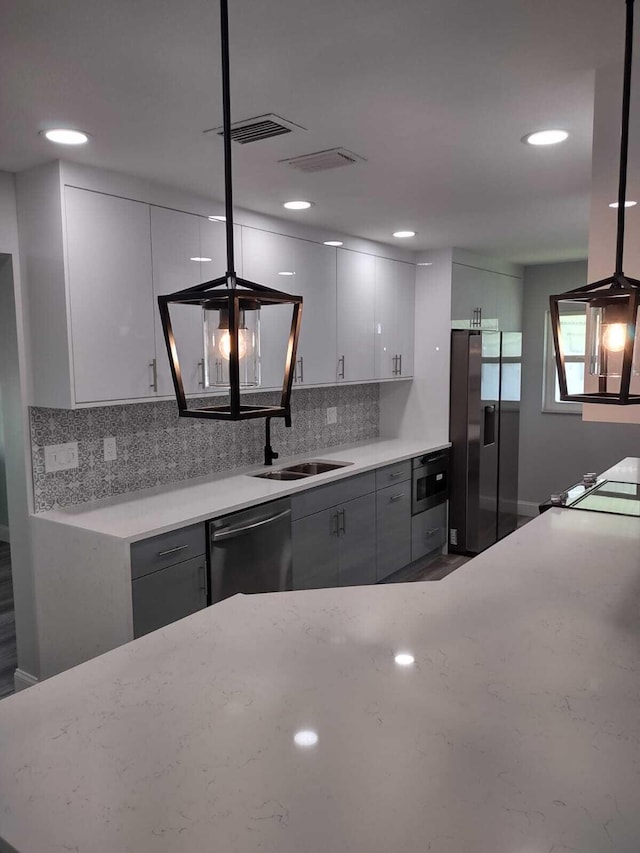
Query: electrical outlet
332	415
453	536
60	457
110	450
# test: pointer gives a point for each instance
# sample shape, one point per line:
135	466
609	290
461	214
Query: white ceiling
436	94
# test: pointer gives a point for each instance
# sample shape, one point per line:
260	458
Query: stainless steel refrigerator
483	429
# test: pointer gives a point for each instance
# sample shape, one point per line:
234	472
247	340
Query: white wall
420	409
13	373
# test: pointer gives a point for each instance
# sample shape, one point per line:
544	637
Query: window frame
550	372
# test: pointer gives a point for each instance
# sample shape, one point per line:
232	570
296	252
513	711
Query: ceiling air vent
260	127
321	160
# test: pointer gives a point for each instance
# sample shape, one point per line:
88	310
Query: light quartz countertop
625	471
516	729
151	511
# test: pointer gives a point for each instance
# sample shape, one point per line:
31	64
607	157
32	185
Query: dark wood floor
8	657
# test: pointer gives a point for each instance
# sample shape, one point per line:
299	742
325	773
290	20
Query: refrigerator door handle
489	431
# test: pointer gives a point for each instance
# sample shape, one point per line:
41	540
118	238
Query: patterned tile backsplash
155	446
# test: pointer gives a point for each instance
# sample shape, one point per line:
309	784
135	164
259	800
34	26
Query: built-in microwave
430	481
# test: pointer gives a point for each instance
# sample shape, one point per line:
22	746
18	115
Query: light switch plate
332	415
110	450
60	457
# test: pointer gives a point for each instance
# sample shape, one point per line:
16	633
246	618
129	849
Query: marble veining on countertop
151	511
515	730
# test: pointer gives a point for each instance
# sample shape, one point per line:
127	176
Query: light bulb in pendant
614	337
224	344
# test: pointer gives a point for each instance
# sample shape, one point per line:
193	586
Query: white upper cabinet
269	259
355	316
175	241
484	299
394	318
110	296
213	244
315	281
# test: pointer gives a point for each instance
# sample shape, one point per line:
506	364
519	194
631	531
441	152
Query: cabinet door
265	257
356	542
473	290
393	512
213	244
168	594
175	242
315	281
428	531
509	303
110	296
355	316
394	318
315	550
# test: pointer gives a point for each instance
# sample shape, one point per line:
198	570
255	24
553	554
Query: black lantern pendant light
230	309
603	317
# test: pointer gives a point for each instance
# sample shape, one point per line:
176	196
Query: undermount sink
280	475
301	470
315	467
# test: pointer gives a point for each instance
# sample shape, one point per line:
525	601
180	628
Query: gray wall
556	449
4	508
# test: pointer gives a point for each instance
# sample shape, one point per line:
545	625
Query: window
574	333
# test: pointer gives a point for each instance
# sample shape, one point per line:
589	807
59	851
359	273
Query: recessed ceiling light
403	234
404	659
306	738
424	264
333	243
287	272
297	205
65	136
217	219
626	204
201	260
545	137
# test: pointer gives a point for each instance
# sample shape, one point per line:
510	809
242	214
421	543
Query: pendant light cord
624	137
226	110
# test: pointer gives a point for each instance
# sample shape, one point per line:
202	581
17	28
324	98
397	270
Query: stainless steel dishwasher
250	551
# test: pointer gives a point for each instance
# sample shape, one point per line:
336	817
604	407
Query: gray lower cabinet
168	577
336	546
168	594
357	541
428	531
315	552
393	514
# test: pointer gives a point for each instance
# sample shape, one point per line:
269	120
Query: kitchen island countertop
516	729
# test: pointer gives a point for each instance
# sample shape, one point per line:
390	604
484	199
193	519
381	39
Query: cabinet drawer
393	522
167	595
323	497
428	531
155	553
391	474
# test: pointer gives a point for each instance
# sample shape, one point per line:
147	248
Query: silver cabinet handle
201	369
202	572
301	369
231	533
400	365
395	475
334	529
395	498
341	367
153	364
431	532
476	320
172	550
342	515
